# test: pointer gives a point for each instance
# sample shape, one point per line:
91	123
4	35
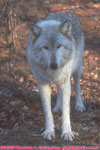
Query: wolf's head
52	43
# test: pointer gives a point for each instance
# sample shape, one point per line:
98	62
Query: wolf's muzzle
53	66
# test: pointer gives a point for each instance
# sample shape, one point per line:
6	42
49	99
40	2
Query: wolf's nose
53	66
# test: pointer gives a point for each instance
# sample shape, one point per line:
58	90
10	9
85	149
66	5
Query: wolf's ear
66	28
35	30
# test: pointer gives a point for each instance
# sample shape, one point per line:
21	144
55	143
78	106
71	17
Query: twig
4	8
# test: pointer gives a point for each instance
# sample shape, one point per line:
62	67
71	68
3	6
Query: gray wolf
54	53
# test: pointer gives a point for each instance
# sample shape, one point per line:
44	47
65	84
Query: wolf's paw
80	108
47	134
56	109
67	136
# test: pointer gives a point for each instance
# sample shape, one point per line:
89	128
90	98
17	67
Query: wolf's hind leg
57	107
79	103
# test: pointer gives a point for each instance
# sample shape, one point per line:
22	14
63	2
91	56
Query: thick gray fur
54	52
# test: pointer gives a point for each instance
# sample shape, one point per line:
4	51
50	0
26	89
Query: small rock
75	133
85	128
25	108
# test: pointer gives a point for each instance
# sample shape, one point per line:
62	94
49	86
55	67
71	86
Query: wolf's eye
46	47
58	46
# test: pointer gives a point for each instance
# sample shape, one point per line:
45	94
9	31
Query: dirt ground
21	112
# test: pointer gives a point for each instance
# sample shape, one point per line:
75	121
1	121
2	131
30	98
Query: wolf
54	52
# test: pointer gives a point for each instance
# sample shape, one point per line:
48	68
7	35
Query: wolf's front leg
65	92
45	93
